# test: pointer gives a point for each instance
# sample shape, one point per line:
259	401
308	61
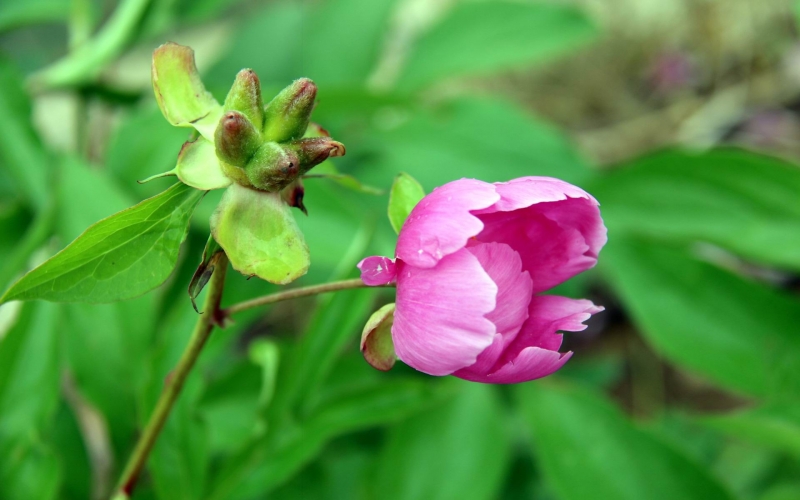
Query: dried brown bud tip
313	151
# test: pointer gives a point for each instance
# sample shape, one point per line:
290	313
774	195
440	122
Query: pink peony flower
471	261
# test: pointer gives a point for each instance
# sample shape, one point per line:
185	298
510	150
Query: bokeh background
680	116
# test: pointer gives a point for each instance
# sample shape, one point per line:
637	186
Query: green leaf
85	196
119	335
143	143
743	201
21	150
179	462
784	491
588	449
266	355
117	258
338	27
29	372
487	139
88	59
277	24
479	38
338	320
259	235
776	426
180	92
16	14
29	470
459	450
737	332
404	196
267	463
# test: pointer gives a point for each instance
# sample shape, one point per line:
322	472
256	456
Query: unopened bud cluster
263	147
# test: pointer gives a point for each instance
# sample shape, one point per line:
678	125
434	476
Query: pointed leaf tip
211	256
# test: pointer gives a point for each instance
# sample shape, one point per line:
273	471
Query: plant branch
213	316
202	330
305	291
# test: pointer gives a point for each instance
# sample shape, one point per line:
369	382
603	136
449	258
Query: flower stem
202	330
214	316
305	291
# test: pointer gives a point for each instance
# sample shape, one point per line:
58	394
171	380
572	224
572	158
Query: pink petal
526	191
439	321
532	363
377	271
514	286
514	294
534	352
556	240
441	223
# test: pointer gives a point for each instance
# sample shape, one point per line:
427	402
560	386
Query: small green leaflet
117	258
406	193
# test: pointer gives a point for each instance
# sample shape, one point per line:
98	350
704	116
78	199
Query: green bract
260	235
376	339
180	93
404	196
255	151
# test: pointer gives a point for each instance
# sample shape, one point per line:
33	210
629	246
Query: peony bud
236	139
245	97
471	262
287	115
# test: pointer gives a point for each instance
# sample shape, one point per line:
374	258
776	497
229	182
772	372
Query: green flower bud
287	115
236	139
245	97
273	167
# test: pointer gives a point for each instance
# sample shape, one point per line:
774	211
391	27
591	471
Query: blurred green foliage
687	387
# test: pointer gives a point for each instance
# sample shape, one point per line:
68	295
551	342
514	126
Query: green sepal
245	97
260	236
288	113
180	92
199	167
404	196
376	339
211	255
